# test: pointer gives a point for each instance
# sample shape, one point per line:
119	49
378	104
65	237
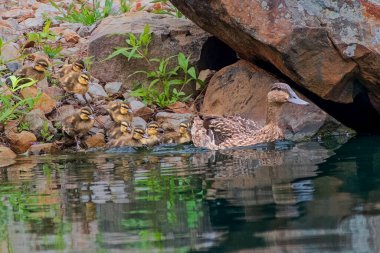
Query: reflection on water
309	197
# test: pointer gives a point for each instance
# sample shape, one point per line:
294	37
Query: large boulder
331	48
249	85
170	36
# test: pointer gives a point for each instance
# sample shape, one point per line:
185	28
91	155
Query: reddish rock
21	142
43	148
95	141
249	85
71	36
45	103
6	153
332	48
16	13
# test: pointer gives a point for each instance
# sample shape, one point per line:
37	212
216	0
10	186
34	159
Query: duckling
78	124
120	111
135	140
76	82
35	72
152	130
180	137
216	132
125	129
77	66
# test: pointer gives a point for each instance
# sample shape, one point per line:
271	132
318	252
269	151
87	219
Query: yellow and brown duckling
76	67
153	132
36	72
76	83
125	129
181	136
78	125
120	111
136	139
215	132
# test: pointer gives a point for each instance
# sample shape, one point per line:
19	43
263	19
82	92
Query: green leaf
192	73
182	61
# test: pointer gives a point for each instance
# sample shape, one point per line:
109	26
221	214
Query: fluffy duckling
120	111
152	130
135	140
78	124
180	137
76	83
36	72
216	132
125	129
76	67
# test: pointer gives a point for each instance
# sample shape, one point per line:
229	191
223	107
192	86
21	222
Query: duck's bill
297	101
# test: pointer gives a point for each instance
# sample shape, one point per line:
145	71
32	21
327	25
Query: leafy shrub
163	81
166	79
52	51
13	106
45	133
42	37
137	47
85	14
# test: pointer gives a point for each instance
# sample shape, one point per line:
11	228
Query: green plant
45	133
23	126
52	51
137	47
88	61
124	6
13	106
161	89
86	14
42	37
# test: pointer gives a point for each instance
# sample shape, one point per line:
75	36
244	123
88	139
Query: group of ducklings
123	133
74	79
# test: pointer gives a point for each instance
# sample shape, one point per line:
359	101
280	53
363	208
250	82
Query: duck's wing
219	129
242	125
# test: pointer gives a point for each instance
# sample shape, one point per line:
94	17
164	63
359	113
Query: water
309	197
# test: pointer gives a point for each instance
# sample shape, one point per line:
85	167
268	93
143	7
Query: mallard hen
214	132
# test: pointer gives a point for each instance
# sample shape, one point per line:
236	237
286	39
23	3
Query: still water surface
309	197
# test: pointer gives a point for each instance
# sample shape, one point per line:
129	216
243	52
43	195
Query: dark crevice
216	55
359	115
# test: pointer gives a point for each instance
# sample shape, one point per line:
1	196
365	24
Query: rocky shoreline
218	66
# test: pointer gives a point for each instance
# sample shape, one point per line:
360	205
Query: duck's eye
276	88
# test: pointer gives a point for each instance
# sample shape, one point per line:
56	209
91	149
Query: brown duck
125	129
135	140
181	136
153	131
76	67
120	111
215	132
35	72
75	83
78	125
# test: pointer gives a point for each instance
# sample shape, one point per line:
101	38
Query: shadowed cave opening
216	54
359	115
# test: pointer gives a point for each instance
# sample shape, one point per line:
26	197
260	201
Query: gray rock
72	26
36	120
113	87
136	105
10	51
32	23
63	112
13	66
97	90
171	121
138	121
